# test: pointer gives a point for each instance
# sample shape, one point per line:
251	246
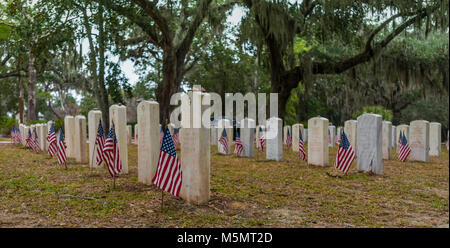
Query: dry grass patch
245	192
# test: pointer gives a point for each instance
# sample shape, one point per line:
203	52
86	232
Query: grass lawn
245	192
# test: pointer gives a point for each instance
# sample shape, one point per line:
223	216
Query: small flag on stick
168	175
345	155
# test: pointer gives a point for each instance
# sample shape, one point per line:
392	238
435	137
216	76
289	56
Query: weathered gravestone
296	129
80	139
274	146
42	132
148	140
195	150
25	134
224	124
318	141
22	133
419	139
331	135
386	134
350	129
94	117
118	116
369	142
435	139
247	137
69	135
305	138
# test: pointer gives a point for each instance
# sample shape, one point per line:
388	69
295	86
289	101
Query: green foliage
59	124
87	104
5	31
6	124
36	122
432	109
380	110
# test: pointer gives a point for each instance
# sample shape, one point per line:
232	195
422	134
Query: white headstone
22	133
69	135
94	117
274	149
435	139
26	129
195	153
386	133
318	141
118	115
247	137
148	140
42	133
419	139
80	139
350	128
306	135
369	142
296	129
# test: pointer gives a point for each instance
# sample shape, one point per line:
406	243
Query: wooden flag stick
65	165
114	181
162	199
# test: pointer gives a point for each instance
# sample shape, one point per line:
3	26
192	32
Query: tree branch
370	51
140	20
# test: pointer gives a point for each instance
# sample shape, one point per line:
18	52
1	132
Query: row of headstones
365	134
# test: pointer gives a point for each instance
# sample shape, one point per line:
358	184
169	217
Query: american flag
28	139
238	147
35	141
161	135
288	138
62	157
261	140
345	155
176	136
168	175
51	138
15	135
111	153
404	149
99	144
301	147
223	140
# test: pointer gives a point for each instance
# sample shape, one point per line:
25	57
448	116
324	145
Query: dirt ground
245	192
